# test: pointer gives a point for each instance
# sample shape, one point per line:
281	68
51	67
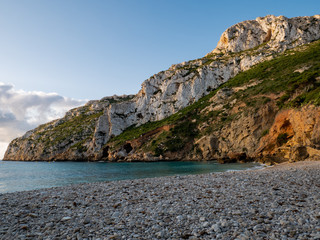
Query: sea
22	176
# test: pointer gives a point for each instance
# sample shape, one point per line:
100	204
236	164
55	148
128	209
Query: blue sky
91	49
55	55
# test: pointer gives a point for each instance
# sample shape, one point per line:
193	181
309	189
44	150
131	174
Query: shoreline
41	175
141	160
281	201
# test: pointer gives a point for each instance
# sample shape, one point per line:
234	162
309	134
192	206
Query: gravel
281	202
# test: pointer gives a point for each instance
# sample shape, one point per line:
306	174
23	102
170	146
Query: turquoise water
20	176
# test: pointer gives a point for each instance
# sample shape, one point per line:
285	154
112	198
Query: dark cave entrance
128	147
105	152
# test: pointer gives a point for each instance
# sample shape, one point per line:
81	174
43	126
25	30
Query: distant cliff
101	129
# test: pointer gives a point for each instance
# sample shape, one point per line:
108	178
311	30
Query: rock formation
84	132
278	33
294	135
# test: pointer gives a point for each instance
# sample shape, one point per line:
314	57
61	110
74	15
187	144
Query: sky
56	55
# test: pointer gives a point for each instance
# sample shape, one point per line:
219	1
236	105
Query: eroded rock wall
278	33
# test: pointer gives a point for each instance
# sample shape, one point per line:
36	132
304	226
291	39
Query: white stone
65	219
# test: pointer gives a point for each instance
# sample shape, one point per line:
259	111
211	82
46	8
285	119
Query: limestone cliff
270	113
84	132
278	33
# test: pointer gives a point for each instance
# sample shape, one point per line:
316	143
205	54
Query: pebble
205	224
216	228
272	203
116	215
65	219
32	215
86	221
24	227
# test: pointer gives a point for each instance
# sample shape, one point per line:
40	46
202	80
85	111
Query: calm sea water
19	176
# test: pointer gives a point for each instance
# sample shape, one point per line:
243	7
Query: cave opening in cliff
105	151
128	147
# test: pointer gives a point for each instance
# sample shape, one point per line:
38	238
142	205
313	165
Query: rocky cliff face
270	113
278	33
294	135
83	133
291	135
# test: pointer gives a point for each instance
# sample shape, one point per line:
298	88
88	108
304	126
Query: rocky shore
280	202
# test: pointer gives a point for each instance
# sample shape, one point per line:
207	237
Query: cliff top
274	32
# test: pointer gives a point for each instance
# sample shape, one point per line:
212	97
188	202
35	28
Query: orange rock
302	129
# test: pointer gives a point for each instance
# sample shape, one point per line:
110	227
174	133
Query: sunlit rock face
279	33
165	93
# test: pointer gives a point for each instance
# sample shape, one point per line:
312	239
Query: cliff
157	123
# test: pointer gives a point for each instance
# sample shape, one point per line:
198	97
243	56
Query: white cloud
21	111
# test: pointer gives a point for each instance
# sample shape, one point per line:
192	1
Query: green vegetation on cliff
291	80
79	127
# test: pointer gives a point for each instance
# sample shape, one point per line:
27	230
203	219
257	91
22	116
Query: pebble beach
279	202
